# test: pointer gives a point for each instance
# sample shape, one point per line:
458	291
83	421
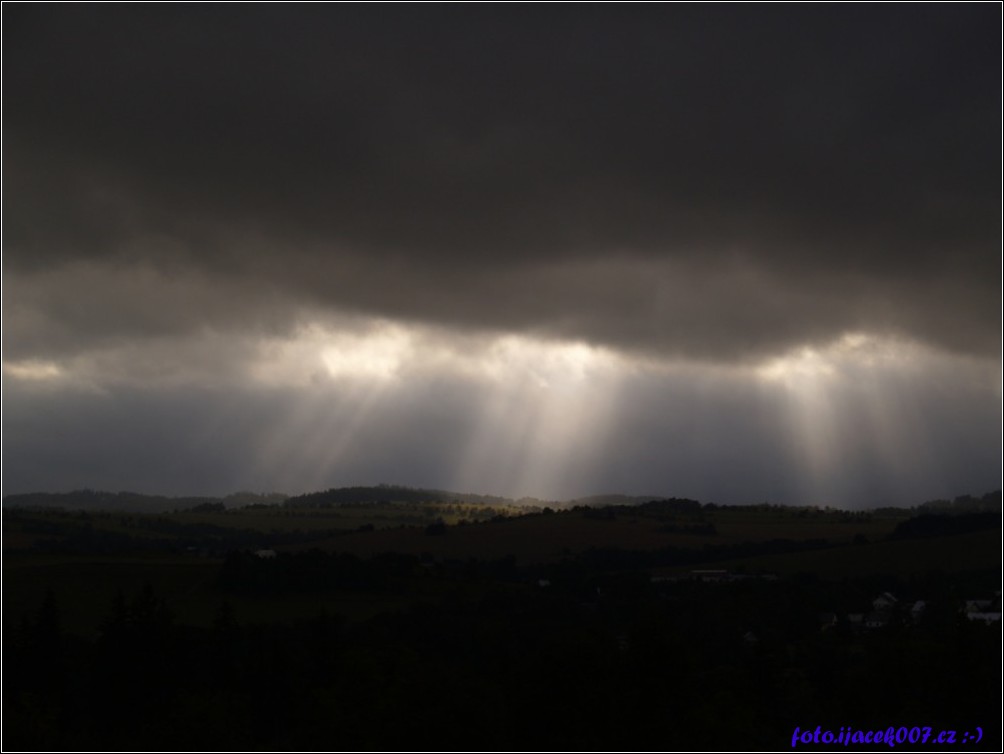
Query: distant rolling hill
389	493
134	502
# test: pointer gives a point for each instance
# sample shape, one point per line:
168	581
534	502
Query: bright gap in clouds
534	416
543	423
860	421
549	418
866	405
32	370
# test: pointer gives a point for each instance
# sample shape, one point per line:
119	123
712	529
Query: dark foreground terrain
416	624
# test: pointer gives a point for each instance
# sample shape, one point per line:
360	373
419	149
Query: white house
884	601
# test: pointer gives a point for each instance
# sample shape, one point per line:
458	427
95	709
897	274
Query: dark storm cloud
721	182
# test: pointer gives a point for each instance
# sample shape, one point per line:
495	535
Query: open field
357	614
544	538
963	552
88	558
85	586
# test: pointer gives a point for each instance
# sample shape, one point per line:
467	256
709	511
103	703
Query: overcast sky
737	253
